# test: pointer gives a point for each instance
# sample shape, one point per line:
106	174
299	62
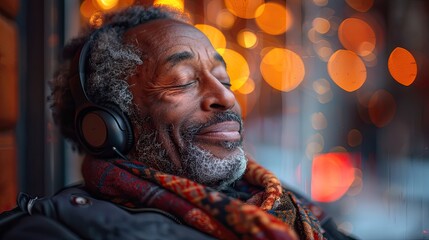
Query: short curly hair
111	62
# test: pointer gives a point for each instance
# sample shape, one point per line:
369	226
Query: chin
214	170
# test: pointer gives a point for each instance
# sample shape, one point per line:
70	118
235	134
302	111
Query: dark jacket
74	214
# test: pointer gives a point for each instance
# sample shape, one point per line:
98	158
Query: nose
217	97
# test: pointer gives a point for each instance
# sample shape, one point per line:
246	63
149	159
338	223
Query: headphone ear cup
100	128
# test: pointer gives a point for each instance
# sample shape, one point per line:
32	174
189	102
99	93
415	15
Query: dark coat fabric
74	214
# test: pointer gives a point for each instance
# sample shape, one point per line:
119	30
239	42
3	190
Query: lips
228	131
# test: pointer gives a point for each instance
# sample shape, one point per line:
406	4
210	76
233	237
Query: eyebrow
179	57
186	55
218	57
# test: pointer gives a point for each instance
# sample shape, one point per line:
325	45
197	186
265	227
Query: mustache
219	117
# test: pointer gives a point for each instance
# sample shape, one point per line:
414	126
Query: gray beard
198	164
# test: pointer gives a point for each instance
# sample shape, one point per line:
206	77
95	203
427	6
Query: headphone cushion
103	127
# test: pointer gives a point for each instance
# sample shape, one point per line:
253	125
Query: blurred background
334	95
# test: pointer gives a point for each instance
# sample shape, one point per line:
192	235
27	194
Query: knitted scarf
271	212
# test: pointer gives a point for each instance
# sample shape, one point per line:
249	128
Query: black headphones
104	130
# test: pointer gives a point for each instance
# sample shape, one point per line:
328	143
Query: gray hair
111	63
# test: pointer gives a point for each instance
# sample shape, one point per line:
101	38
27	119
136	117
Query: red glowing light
332	175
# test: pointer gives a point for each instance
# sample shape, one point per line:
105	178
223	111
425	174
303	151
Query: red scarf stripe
251	220
103	178
188	189
130	183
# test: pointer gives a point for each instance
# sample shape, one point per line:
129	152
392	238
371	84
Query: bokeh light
225	19
370	60
332	175
321	25
247	38
107	4
243	8
318	121
247	96
356	35
347	70
248	87
326	97
315	145
87	9
177	4
323	49
357	185
212	10
313	36
320	3
354	138
282	69
381	108
92	9
237	67
274	25
321	86
402	66
338	149
215	36
360	5
323	89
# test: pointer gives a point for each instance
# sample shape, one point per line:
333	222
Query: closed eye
226	84
183	85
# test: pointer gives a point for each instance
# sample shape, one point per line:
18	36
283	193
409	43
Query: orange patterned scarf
270	213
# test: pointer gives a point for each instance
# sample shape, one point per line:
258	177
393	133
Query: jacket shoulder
80	214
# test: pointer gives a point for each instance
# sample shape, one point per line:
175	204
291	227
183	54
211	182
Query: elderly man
148	99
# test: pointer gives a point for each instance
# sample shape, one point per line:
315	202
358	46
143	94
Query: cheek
171	112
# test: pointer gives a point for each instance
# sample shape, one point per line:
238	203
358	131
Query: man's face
190	121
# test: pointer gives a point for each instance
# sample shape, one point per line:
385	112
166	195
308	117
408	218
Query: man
147	98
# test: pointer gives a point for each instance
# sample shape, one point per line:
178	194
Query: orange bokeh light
243	8
323	49
321	25
332	175
283	69
247	39
177	4
225	19
360	5
357	35
246	101
274	25
381	108
215	36
237	67
107	4
87	9
93	9
402	66
313	36
248	87
347	70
